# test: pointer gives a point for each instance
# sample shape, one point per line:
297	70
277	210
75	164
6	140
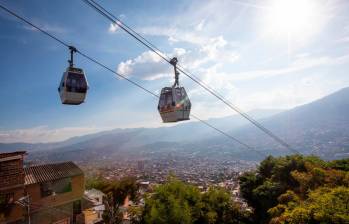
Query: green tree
273	177
173	202
177	202
135	214
116	193
342	164
323	205
282	189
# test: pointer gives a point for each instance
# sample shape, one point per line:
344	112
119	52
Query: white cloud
113	28
125	68
298	65
217	49
148	65
343	40
174	34
172	40
287	96
200	26
266	95
44	134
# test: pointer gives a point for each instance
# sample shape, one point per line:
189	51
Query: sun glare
292	18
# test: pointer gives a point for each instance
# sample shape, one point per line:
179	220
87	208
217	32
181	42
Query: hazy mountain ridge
141	136
320	127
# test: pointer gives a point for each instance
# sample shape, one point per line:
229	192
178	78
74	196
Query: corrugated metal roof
9	154
49	172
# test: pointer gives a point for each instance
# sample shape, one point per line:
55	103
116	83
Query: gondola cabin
73	87
174	104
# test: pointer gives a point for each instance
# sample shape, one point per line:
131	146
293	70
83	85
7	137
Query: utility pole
25	202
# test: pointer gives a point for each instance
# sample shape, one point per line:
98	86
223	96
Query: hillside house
53	192
11	187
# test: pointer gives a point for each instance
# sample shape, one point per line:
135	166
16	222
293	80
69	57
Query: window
46	189
184	94
169	99
178	95
61	85
76	83
162	100
58	187
6	198
62	186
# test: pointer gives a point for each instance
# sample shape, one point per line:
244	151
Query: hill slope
320	127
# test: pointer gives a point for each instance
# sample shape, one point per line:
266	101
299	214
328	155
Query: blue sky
258	54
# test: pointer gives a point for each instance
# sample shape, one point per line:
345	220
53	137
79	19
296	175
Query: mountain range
320	127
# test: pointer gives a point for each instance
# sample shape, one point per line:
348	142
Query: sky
258	54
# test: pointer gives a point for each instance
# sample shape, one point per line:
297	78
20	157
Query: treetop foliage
298	189
176	202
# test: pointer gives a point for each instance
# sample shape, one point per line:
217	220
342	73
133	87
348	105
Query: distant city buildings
55	193
140	165
201	171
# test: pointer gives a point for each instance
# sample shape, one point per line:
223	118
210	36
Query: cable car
174	104
73	87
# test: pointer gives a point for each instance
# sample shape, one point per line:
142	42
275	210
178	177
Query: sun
292	18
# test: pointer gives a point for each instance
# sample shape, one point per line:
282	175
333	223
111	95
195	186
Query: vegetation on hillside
177	202
283	190
298	189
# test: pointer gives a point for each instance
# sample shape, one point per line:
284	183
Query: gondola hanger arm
174	63
72	51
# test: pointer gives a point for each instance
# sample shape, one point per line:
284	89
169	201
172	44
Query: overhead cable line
122	76
101	10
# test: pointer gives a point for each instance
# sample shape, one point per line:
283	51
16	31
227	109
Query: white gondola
73	87
174	104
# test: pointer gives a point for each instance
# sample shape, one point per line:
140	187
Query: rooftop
11	154
91	193
49	172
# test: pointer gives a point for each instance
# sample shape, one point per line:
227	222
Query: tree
342	164
218	207
177	202
323	205
135	214
248	182
273	177
116	193
173	202
283	189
